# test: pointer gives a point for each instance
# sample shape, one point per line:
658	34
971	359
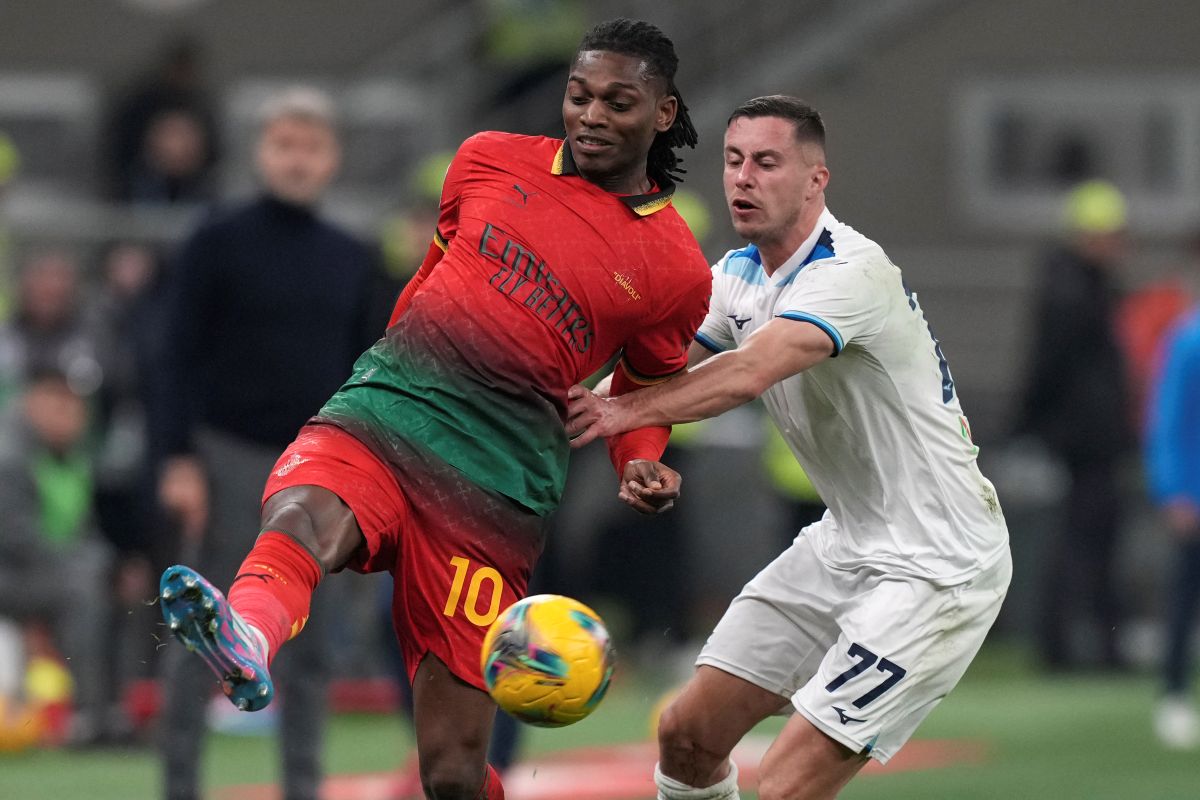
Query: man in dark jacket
1077	402
267	308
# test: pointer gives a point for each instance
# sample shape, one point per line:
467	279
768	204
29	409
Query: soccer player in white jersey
872	615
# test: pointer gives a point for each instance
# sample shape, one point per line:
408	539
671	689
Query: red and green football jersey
540	278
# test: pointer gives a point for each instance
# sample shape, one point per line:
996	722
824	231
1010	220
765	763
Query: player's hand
590	416
183	492
649	487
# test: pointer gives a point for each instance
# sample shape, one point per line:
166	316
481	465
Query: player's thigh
466	555
904	644
778	629
333	494
804	763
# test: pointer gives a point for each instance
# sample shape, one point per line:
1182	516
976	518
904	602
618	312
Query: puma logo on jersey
844	717
524	194
740	322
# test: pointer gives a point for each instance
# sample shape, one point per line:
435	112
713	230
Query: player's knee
681	745
451	772
776	787
444	779
314	520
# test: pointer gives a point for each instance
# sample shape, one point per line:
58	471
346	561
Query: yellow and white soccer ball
548	660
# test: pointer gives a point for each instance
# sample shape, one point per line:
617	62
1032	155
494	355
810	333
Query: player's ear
819	180
664	113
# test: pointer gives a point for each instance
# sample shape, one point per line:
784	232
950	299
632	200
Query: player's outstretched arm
782	348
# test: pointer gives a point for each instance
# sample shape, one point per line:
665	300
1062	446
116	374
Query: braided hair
645	41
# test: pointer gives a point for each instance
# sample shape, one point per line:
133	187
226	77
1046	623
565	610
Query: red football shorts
459	553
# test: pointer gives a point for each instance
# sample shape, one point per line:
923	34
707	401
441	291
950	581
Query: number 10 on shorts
470	604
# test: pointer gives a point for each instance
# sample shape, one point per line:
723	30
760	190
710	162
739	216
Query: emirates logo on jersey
625	283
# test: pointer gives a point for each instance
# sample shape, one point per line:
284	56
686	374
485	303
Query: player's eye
578	99
615	106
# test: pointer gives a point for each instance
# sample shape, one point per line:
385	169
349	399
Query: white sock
671	789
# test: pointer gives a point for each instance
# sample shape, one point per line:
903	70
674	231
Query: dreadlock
645	41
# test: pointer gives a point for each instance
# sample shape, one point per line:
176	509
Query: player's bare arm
779	350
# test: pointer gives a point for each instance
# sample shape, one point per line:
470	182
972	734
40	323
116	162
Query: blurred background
1032	166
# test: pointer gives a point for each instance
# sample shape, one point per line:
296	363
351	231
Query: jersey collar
818	245
641	204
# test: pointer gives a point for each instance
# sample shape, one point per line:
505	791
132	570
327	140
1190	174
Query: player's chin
744	228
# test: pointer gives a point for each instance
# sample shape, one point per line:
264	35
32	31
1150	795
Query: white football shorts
863	655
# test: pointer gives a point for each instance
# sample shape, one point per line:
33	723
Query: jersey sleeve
846	300
715	333
654	354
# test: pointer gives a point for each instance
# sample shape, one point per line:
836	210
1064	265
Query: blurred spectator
53	563
1173	465
1077	404
527	46
268	305
163	141
173	163
48	329
1145	317
125	309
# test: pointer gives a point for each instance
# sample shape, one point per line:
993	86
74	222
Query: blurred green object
10	159
694	211
528	31
1095	206
785	472
428	177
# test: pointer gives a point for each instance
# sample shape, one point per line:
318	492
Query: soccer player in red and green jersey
442	455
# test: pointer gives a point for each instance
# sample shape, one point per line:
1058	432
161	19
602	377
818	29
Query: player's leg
271	594
770	641
465	554
804	763
700	728
453	725
321	487
904	644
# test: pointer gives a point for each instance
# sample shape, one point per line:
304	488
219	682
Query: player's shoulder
846	244
843	254
742	265
500	143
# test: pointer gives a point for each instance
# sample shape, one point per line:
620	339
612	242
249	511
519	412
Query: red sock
274	586
492	788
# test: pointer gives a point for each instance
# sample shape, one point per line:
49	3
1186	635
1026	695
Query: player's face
771	179
297	159
612	111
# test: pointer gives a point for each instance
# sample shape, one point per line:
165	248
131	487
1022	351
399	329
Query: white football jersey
878	427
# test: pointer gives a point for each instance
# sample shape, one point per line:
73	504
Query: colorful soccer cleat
201	618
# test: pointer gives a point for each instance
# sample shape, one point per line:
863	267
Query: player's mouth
592	144
742	207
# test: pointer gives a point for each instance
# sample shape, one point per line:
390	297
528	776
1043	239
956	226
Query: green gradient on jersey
507	438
